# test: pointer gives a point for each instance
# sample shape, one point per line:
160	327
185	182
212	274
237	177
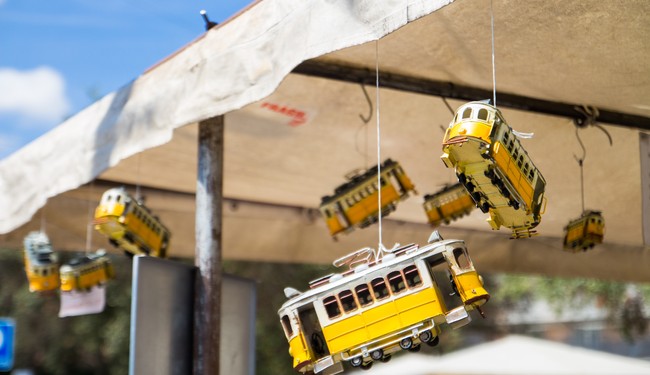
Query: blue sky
59	56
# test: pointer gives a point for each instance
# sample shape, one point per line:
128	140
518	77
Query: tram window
117	199
347	301
483	114
467	113
363	294
396	281
349	201
332	307
531	174
412	276
379	288
383	181
461	258
287	325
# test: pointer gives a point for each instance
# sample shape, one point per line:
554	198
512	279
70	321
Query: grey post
209	194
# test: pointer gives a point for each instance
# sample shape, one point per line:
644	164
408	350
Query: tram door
441	275
313	332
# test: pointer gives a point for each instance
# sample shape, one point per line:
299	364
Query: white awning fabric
236	64
291	138
515	355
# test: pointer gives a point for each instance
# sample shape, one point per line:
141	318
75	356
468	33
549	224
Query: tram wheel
366	366
377	354
426	336
386	358
356	361
406	343
434	342
415	349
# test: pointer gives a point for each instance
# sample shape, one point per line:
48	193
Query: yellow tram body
86	272
584	232
449	204
386	304
129	225
41	263
355	204
495	169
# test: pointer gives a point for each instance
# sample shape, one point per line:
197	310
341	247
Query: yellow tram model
355	203
41	263
129	225
494	168
450	203
584	232
85	272
387	301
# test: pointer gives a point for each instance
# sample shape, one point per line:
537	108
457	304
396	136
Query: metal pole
209	195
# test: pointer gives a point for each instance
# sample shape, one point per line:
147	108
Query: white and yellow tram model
385	302
584	232
41	263
494	168
87	271
355	204
448	204
129	225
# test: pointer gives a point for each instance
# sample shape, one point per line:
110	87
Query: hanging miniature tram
355	203
584	232
41	263
87	271
448	204
385	302
494	168
130	225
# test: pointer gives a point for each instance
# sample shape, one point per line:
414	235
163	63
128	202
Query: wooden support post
209	196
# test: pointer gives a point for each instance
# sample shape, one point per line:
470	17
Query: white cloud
37	94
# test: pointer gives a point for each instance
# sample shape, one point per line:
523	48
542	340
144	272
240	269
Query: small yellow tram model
388	300
130	225
355	204
495	169
41	263
85	272
584	232
448	204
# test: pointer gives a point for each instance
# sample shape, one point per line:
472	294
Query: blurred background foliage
99	344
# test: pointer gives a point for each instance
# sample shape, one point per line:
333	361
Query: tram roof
350	276
277	169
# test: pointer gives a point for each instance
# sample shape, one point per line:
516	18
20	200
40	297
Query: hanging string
580	163
378	140
89	226
494	73
138	197
43	220
364	126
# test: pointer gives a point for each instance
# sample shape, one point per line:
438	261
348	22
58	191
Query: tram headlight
480	279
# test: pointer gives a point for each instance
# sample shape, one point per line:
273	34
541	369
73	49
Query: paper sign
75	303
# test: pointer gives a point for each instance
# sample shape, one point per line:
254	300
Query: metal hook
363	118
448	106
584	150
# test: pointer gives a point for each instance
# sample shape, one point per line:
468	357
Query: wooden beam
420	85
209	197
